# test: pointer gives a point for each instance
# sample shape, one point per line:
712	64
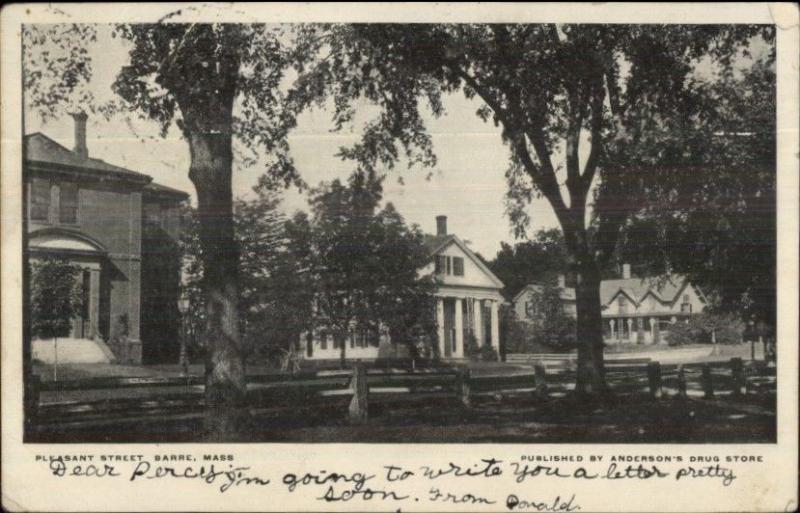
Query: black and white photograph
398	232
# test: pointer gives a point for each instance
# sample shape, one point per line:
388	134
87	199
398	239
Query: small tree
553	327
55	300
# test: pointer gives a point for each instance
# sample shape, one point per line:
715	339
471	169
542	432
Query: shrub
484	353
698	329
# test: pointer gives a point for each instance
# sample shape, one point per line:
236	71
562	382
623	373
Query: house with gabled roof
121	229
634	309
468	300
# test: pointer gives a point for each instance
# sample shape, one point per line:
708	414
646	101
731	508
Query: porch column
653	330
459	318
440	324
94	303
630	329
478	320
495	327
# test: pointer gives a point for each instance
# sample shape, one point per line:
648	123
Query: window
68	203
686	306
449	265
623	305
440	264
40	199
458	266
530	308
323	341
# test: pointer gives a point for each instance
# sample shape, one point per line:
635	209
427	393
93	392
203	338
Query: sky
467	185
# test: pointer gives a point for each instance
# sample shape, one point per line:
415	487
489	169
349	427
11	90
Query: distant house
634	309
468	299
122	230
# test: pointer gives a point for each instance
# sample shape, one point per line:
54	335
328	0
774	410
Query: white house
634	309
468	300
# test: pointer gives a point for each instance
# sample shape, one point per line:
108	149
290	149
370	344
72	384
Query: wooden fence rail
183	396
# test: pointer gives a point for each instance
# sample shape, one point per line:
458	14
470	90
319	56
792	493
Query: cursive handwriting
234	476
489	469
366	494
60	469
726	474
435	495
558	504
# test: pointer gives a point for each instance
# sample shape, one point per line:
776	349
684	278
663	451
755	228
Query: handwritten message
453	483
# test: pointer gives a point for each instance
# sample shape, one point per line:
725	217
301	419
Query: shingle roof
665	289
41	149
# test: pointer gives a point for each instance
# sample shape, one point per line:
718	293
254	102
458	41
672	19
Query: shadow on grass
631	418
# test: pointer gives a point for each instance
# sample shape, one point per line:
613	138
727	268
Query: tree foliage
275	296
55	297
625	92
365	262
538	260
715	221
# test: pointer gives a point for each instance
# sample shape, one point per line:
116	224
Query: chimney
80	133
562	281
626	271
441	225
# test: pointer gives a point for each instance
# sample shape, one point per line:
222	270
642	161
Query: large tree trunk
210	171
591	370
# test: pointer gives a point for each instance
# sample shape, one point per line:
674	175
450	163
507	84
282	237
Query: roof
665	289
157	189
567	294
40	149
436	243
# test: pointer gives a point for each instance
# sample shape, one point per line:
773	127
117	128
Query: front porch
461	318
639	329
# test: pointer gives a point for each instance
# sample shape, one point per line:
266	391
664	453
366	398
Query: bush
484	353
558	332
698	329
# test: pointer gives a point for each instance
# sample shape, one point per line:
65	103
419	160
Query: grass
632	418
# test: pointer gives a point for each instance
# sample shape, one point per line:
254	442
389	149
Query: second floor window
40	200
623	305
68	203
449	265
458	266
686	306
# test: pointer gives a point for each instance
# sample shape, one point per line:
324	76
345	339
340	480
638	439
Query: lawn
520	419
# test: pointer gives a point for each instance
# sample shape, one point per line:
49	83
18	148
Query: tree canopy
365	262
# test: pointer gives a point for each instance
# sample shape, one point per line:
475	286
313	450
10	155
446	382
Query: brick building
122	230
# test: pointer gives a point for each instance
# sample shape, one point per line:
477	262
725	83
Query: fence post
654	379
358	404
708	385
737	375
681	382
462	386
540	380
